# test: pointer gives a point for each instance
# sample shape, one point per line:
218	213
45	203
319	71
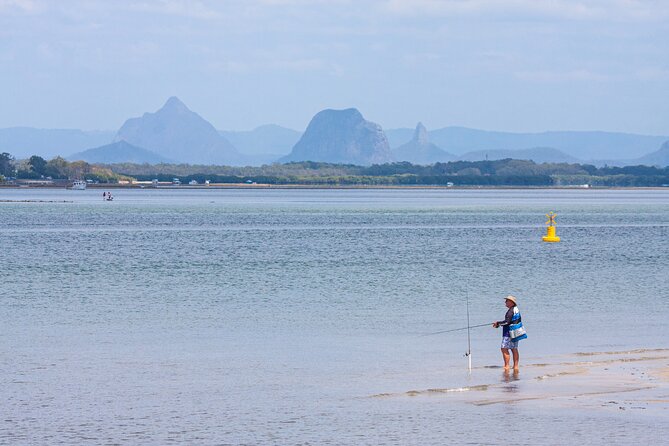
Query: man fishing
512	332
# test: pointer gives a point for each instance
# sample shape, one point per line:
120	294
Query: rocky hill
342	136
658	158
177	133
420	150
119	152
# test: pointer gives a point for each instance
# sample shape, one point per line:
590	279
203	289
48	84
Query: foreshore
323	187
635	380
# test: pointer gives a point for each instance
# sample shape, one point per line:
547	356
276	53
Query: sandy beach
636	380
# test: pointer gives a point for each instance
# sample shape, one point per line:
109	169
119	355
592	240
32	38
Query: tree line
37	168
507	172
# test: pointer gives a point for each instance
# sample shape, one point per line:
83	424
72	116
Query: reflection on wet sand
509	379
509	376
620	380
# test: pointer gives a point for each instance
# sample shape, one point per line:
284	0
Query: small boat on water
78	185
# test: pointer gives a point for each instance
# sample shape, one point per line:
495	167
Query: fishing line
456	329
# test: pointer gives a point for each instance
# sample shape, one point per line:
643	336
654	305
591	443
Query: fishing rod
469	339
456	329
468	354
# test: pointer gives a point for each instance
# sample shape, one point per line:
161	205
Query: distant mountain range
585	146
264	144
536	154
267	139
659	157
119	152
174	133
23	142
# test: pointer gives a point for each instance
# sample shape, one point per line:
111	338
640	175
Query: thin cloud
579	75
299	2
522	9
21	6
182	8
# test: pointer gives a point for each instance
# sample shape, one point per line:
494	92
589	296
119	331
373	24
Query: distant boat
78	185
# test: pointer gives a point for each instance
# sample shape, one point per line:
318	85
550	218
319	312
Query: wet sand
636	380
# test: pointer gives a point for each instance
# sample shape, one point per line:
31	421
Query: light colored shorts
508	343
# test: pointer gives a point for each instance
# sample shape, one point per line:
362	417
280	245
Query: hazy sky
516	65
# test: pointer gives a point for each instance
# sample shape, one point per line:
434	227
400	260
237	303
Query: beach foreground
615	380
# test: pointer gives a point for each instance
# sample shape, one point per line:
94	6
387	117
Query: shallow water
274	316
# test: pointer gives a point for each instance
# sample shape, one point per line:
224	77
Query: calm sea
274	316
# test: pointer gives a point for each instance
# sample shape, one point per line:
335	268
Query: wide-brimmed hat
511	298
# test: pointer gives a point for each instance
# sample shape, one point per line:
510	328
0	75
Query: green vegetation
6	165
36	168
508	172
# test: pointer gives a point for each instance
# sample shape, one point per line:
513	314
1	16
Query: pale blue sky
515	65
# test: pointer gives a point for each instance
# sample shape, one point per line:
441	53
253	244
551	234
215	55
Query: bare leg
516	358
507	357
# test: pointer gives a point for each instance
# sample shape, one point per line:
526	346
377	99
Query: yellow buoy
550	230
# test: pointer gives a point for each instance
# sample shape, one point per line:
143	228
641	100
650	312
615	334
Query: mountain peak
420	135
175	104
344	115
420	150
180	134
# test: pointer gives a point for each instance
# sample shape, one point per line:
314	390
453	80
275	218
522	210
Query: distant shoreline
220	186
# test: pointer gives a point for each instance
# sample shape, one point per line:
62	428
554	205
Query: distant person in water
512	332
104	195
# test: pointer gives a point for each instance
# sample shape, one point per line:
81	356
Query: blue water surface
267	316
